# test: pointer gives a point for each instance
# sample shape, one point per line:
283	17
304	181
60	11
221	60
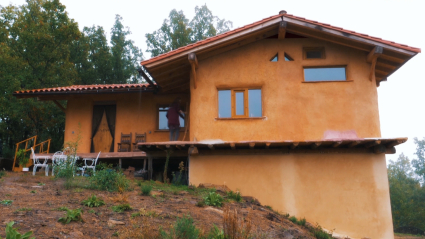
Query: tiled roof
237	30
76	88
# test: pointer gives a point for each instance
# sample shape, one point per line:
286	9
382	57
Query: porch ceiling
366	145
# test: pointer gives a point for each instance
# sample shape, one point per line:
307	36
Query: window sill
167	130
242	118
327	81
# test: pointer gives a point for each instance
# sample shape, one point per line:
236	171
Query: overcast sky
401	98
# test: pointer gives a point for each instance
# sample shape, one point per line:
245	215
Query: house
284	109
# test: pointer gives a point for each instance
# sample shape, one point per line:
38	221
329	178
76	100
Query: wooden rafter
282	30
194	65
372	57
59	105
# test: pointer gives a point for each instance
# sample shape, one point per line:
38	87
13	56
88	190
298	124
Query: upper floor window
239	103
163	120
325	74
314	53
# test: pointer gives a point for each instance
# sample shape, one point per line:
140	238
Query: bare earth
36	211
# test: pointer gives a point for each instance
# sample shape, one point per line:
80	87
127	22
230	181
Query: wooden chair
125	144
140	138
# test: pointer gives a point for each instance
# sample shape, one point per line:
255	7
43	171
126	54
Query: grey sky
401	98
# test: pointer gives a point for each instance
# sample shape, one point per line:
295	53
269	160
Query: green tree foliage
407	195
35	39
419	162
126	56
177	31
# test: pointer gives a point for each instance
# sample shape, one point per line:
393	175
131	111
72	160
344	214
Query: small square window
314	53
239	103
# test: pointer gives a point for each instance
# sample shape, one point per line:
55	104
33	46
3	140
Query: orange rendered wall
346	192
134	113
292	110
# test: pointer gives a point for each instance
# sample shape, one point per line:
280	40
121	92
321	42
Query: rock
214	210
112	222
193	202
76	234
287	235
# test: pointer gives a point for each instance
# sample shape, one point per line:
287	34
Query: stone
112	222
287	235
214	210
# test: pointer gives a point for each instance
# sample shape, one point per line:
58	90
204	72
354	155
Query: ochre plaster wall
134	113
292	110
346	192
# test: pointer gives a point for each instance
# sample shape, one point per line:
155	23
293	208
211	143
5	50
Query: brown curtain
97	118
110	111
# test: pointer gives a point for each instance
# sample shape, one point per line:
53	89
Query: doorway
103	128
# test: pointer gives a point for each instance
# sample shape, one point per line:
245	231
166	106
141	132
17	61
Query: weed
146	230
11	233
60	209
235	227
214	199
93	201
146	190
215	233
71	215
319	233
78	190
201	203
2	173
115	234
8	195
122	198
6	202
301	222
139	183
121	208
234	196
33	191
92	211
182	228
41	184
286	215
177	180
293	219
269	207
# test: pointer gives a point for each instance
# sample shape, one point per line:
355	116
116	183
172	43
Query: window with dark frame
239	103
313	53
275	58
162	118
314	74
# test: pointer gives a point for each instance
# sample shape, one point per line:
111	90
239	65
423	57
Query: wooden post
120	163
144	164
282	30
150	168
194	65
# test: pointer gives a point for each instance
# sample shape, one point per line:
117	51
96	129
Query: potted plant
22	159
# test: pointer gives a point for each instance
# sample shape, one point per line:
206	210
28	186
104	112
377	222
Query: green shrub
109	180
146	190
33	191
61	209
182	228
293	219
22	158
215	233
234	196
65	169
201	203
214	199
269	207
122	207
301	222
93	201
71	215
319	233
11	233
6	202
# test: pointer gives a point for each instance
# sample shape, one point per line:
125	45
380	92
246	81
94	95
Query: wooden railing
41	146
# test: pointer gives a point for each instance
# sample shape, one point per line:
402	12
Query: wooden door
104	125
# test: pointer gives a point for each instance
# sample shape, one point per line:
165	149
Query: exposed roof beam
372	57
282	30
144	76
194	65
59	105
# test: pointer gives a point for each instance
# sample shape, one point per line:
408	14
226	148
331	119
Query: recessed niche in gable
288	57
275	58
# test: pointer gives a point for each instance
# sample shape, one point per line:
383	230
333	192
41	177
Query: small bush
215	233
93	201
301	222
33	191
71	215
234	196
319	233
11	233
182	228
269	207
293	219
109	180
122	208
201	203
6	202
214	199
146	190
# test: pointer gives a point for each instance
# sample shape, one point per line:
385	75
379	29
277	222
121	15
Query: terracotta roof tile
215	38
83	88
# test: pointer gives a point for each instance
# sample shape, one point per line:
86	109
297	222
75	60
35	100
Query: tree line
41	47
407	190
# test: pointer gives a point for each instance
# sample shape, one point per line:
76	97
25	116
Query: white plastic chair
92	165
57	159
37	163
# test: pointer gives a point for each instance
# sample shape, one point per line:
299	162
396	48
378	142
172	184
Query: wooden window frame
182	128
332	66
306	49
246	102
